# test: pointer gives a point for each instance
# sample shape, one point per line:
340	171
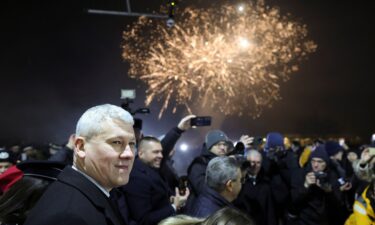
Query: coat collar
216	197
76	180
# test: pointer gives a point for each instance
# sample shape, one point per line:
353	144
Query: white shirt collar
93	181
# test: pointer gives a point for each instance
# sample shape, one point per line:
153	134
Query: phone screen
200	121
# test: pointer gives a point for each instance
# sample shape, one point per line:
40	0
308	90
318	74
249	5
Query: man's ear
140	153
79	147
229	186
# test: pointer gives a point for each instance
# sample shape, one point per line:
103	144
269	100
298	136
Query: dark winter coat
312	203
255	199
73	200
207	203
147	195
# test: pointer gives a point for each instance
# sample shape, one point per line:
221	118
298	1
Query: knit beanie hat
215	136
320	152
332	148
273	140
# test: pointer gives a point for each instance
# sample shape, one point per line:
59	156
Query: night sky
57	60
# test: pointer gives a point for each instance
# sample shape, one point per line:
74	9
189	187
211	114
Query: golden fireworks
229	58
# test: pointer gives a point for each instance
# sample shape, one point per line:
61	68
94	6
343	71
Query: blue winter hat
320	152
274	140
332	148
215	136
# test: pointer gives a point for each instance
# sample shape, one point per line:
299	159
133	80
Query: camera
321	176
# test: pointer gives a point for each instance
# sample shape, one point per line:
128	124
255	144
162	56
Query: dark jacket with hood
313	202
196	174
197	171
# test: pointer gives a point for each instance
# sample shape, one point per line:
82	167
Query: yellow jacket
363	214
304	158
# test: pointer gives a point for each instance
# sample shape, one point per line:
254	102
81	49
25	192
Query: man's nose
127	153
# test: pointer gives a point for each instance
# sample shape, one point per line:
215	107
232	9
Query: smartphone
371	151
182	185
201	121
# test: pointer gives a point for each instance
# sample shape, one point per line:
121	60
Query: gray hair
219	171
253	152
91	121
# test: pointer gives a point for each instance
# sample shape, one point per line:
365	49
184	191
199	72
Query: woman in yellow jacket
363	208
363	213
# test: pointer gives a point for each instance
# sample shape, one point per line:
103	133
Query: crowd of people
110	173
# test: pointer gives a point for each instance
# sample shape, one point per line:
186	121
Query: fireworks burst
229	58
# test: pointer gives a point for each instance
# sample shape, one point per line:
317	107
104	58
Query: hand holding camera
322	181
319	178
310	179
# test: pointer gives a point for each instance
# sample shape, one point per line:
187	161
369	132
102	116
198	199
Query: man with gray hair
223	184
255	197
103	158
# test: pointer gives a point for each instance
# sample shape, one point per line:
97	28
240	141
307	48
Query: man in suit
147	193
255	198
103	158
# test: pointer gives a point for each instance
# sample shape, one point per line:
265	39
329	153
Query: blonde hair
181	220
224	216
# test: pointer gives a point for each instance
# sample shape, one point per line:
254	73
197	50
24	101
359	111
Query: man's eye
117	142
132	144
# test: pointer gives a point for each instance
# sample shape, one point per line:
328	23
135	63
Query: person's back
207	202
223	184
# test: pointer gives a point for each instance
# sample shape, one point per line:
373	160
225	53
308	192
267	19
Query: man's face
338	156
4	166
108	156
150	153
318	164
220	148
255	164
